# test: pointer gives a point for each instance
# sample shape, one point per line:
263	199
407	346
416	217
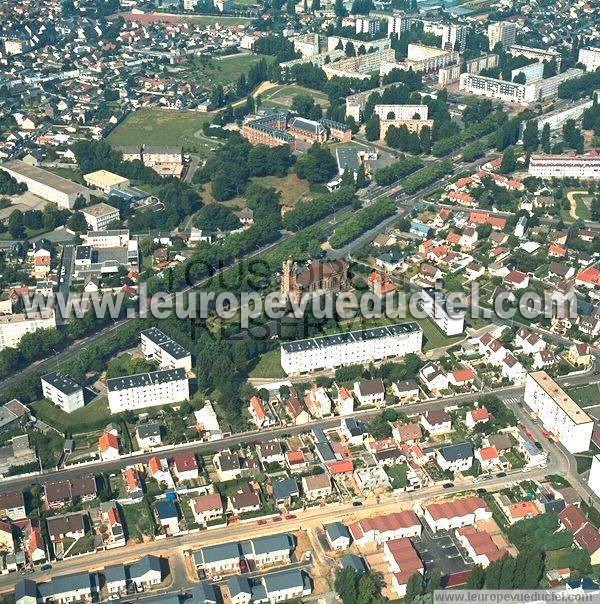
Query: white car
308	555
217	578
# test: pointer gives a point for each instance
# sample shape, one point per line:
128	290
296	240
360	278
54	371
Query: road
66	270
175	547
20	482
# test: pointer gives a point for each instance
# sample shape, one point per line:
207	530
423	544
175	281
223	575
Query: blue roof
68	583
457	451
144	565
115	572
166	509
284	488
419	226
325	451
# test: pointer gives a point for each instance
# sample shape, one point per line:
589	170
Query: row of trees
405	166
306	213
426	176
362	221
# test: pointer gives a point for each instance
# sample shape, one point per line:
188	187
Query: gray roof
283	488
82	582
25	588
355	562
335	530
166	509
238	585
62	382
145	379
114	573
325	452
283	580
147	430
144	565
272	543
350	336
204	593
457	451
165	342
221	551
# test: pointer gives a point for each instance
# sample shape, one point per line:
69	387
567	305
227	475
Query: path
573	203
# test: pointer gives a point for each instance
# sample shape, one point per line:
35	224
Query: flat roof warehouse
43	176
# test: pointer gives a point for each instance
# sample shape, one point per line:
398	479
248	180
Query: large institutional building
565	166
558	412
274	127
147	390
351	348
317	278
44	184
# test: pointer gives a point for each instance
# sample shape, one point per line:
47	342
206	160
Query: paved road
19	482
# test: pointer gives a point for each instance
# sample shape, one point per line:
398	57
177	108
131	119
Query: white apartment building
428	58
45	184
367	25
401	112
351	348
594	477
454	37
147	390
590	57
99	216
14	327
398	24
62	391
449	320
565	166
159	347
497	89
105	239
502	31
538	54
558	412
532	73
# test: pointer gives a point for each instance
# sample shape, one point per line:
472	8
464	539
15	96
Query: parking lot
440	550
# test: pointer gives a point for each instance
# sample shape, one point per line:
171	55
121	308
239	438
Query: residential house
479	415
296	409
337	535
385	527
167	516
244	501
285	491
434	378
479	545
455	458
185	466
147	572
270	452
454	514
207	507
406	390
370	392
148	435
436	421
317	486
108	445
228	465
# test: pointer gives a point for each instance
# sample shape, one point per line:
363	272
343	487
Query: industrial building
44	184
105	181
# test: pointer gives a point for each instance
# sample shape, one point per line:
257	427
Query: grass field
585	396
226	70
138	520
282	96
79	421
268	366
160	127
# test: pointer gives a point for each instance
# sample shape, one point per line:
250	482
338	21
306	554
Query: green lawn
226	70
160	127
268	366
397	475
79	421
68	173
138	521
585	396
282	96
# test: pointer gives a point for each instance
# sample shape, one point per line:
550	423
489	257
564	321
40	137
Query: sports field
161	127
283	96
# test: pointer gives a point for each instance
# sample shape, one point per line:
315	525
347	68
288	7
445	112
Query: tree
530	136
361	181
476	577
545	140
520	78
346	585
350	50
509	161
317	165
15	225
414	587
77	222
372	128
379	428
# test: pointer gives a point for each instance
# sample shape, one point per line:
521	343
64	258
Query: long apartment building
362	66
351	348
147	390
558	412
159	347
14	326
539	54
62	391
565	166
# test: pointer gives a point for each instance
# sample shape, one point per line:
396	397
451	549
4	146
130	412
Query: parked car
357	504
448	485
291	517
277	519
261	522
217	578
45	567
